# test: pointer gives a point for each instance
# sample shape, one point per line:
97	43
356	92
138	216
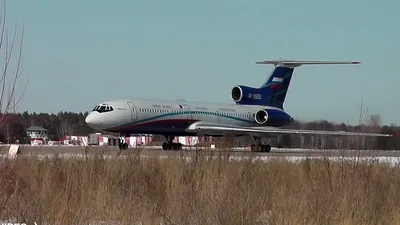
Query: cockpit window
103	108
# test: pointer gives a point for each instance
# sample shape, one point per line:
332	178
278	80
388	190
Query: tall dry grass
217	191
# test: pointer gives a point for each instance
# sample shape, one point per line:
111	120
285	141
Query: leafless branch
65	128
9	102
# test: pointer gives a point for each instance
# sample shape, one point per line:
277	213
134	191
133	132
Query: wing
217	129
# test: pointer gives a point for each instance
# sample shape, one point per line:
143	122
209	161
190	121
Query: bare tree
65	127
360	141
9	102
374	122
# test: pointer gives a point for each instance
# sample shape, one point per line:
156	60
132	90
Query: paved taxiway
158	152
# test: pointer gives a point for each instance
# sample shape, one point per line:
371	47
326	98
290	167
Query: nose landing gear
122	144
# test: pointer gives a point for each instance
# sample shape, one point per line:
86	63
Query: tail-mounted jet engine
272	117
261	116
243	94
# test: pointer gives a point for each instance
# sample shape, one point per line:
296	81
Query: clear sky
79	53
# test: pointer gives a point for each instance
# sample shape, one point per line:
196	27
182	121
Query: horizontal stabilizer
296	63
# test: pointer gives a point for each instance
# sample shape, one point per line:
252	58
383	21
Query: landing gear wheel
171	146
165	146
260	148
123	146
177	146
266	148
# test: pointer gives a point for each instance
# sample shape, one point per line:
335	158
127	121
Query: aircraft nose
90	120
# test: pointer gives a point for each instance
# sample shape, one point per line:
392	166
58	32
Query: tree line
13	127
58	125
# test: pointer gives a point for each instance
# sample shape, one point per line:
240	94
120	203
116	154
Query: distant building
37	132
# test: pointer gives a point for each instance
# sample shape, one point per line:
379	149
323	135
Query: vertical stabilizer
273	91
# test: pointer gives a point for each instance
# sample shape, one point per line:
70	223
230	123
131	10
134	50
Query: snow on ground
392	161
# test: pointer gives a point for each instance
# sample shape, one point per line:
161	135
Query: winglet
296	63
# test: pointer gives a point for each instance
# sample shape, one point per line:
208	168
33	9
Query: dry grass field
172	191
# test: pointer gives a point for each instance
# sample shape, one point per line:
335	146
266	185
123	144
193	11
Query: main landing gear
170	145
259	147
122	144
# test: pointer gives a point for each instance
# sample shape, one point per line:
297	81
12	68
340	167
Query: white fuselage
169	117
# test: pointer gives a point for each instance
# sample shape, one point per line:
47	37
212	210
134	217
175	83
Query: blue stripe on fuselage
203	113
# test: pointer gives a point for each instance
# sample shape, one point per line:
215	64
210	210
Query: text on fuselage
162	106
200	108
226	110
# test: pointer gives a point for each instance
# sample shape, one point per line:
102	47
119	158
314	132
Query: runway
157	151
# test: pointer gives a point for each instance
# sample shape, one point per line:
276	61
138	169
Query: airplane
257	112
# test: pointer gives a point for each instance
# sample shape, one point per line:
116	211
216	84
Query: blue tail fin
273	91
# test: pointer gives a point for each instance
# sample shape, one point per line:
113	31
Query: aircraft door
218	116
186	110
133	110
